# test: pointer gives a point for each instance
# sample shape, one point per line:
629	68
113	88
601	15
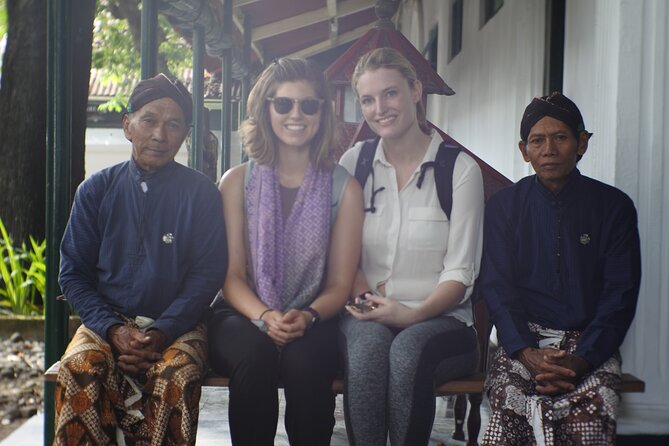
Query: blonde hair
258	138
391	59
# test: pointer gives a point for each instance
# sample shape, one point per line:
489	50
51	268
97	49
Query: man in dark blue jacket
561	274
142	257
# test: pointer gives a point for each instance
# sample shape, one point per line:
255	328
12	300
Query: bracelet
315	316
263	313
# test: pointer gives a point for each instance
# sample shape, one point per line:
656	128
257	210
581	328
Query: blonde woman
411	326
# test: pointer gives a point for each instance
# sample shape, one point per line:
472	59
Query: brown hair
256	131
391	59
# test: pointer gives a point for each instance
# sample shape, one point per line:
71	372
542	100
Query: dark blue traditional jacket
141	244
569	261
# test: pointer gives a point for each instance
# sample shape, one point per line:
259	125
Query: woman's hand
384	310
285	328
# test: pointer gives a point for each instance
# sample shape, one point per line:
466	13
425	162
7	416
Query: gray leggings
391	373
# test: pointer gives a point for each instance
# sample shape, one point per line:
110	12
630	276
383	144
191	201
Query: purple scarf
288	262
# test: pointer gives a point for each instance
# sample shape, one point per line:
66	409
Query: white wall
616	69
106	147
498	71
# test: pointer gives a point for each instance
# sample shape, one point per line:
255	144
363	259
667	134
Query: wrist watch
315	316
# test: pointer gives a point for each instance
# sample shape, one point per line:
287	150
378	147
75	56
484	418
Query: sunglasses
309	106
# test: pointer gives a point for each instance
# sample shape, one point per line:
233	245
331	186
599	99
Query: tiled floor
213	424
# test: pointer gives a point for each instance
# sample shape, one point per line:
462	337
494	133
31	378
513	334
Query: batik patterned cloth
520	416
279	251
96	404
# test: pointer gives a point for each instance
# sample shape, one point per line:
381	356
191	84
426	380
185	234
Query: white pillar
616	70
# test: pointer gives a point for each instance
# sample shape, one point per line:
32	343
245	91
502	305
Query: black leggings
306	368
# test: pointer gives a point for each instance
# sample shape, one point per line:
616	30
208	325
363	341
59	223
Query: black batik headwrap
556	106
159	87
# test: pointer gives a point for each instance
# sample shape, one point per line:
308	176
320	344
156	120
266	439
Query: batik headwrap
556	106
158	87
288	260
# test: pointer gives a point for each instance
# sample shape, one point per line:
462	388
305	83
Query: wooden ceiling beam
334	20
237	3
238	21
327	44
332	7
343	8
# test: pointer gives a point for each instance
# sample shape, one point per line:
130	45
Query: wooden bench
471	385
466	388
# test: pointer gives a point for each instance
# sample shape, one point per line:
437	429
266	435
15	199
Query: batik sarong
96	404
521	416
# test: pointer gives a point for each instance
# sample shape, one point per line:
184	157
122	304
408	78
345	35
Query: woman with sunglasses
411	324
294	232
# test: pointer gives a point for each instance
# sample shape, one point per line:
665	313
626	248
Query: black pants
306	368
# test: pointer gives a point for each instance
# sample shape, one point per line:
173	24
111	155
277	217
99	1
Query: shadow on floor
645	440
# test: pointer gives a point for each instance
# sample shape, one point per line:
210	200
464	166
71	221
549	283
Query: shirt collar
567	193
430	153
151	178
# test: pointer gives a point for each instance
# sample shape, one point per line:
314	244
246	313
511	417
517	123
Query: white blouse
409	245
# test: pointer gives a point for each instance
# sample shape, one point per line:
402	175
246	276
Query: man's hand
577	365
555	371
157	341
135	350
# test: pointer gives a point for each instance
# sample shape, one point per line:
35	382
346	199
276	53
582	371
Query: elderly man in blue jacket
142	257
560	274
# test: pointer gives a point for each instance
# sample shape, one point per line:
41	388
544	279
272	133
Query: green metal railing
197	137
226	94
149	39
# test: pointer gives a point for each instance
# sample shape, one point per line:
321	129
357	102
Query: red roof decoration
382	35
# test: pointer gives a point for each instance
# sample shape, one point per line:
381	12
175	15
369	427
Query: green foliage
178	54
22	276
116	56
3	18
3	25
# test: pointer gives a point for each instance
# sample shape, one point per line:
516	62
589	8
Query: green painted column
58	202
149	39
197	137
226	93
246	81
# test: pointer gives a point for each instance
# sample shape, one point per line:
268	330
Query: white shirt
408	243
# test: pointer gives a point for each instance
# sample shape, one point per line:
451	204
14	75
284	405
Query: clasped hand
286	327
135	350
555	371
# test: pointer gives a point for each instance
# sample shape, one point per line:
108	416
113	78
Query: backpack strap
340	177
443	175
443	166
363	167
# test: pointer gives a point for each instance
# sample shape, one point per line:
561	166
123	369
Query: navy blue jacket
569	261
144	244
